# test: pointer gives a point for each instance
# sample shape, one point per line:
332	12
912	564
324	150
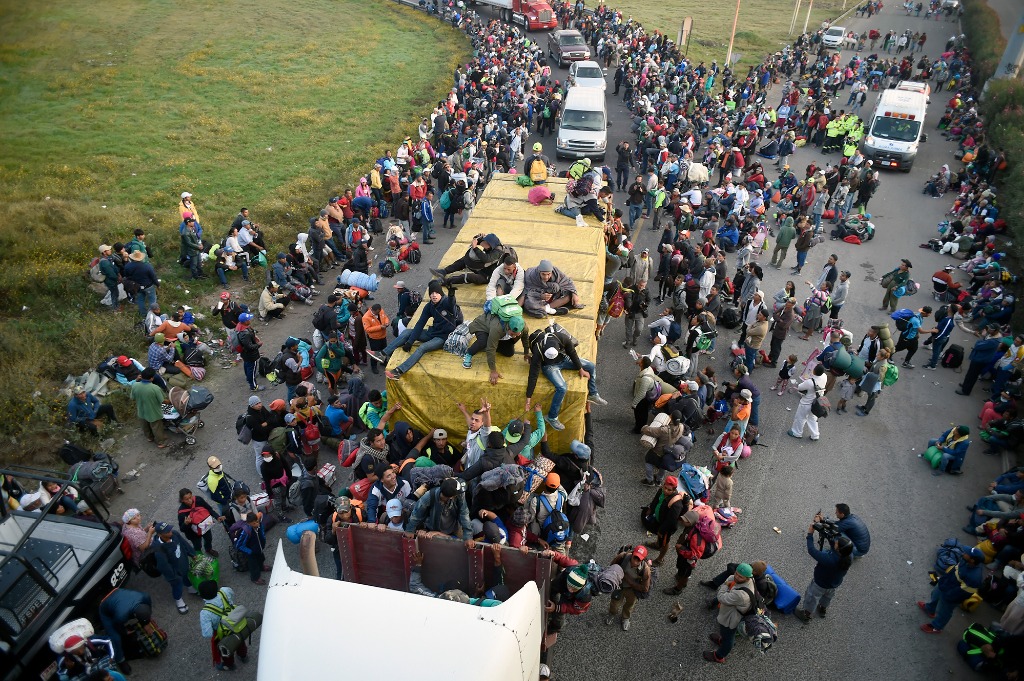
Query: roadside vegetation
110	110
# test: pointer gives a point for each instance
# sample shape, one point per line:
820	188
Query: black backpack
324	319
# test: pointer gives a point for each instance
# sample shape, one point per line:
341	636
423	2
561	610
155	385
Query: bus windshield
896	129
573	119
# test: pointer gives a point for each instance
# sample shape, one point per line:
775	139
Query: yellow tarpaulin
430	391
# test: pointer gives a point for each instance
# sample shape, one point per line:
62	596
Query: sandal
183	609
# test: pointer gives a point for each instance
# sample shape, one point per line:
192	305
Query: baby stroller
182	414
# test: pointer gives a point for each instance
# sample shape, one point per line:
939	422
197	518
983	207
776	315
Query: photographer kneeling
831	567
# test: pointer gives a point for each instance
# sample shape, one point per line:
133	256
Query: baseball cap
394	508
744	570
516	324
104	248
552	481
975	553
124	361
399	284
640	551
537	146
515	431
212	461
245	318
440	433
163	528
343	504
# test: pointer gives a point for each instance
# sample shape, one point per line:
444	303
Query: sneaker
648	483
440	274
821	611
907	365
610	619
221	667
597	399
792	434
671	591
802	615
550	310
393	375
625	625
380	357
709	584
710	656
554	423
213	552
562	310
861	412
929	366
467	361
929	629
924	608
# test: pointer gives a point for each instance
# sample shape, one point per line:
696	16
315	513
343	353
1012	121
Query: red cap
72	642
225	295
640	552
671	480
124	361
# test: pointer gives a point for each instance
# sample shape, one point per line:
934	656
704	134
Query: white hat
186	195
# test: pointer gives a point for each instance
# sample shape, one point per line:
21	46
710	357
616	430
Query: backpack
756	624
446	200
311	435
892	374
305	482
578	169
415	298
709	529
232	617
322	321
546	113
503	307
902	318
616	305
556	528
236	531
323	514
538	171
821	406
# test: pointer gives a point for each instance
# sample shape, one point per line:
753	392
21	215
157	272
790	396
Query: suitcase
787	598
953	356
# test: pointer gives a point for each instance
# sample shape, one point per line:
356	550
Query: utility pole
732	36
810	6
1012	63
796	16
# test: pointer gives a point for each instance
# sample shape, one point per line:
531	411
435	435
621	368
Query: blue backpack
555	529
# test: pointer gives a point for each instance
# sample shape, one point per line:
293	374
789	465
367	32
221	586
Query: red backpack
709	530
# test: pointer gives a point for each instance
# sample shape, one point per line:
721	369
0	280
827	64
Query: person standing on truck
536	165
172	554
442	512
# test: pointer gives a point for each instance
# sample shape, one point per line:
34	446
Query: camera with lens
827	529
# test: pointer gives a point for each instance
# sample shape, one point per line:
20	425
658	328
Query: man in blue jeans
551	350
443	310
736	600
955	586
940	336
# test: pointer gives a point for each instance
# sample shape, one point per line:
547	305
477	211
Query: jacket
985	350
444	316
268	302
428	513
250	346
376	327
494	328
537	358
148	398
255	418
492	458
854	528
116	609
251	541
172	557
960	582
735	601
513	285
79	411
827	572
142	273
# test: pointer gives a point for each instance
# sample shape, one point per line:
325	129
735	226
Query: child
785	373
721	491
846	393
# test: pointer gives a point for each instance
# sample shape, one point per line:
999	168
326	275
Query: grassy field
763	26
110	110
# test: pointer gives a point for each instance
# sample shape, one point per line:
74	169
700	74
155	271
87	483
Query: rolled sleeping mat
933	456
359	280
294	532
661	419
230	643
856	368
889	345
883	331
787	597
841	361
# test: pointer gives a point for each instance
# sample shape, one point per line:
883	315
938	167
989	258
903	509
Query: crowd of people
501	483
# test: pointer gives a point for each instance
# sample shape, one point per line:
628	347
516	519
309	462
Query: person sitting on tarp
497	335
444	312
481	259
551	350
548	291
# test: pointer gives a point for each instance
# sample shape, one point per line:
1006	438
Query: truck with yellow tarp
430	391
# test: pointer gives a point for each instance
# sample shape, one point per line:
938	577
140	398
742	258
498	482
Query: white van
834	37
583	129
586	74
895	130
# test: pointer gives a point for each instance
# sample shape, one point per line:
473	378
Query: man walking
893	280
910	336
786	235
636	580
939	336
781	321
955	586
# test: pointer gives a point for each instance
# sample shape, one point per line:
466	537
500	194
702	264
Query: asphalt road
871	464
1009	13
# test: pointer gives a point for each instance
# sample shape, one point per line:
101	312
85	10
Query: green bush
984	38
